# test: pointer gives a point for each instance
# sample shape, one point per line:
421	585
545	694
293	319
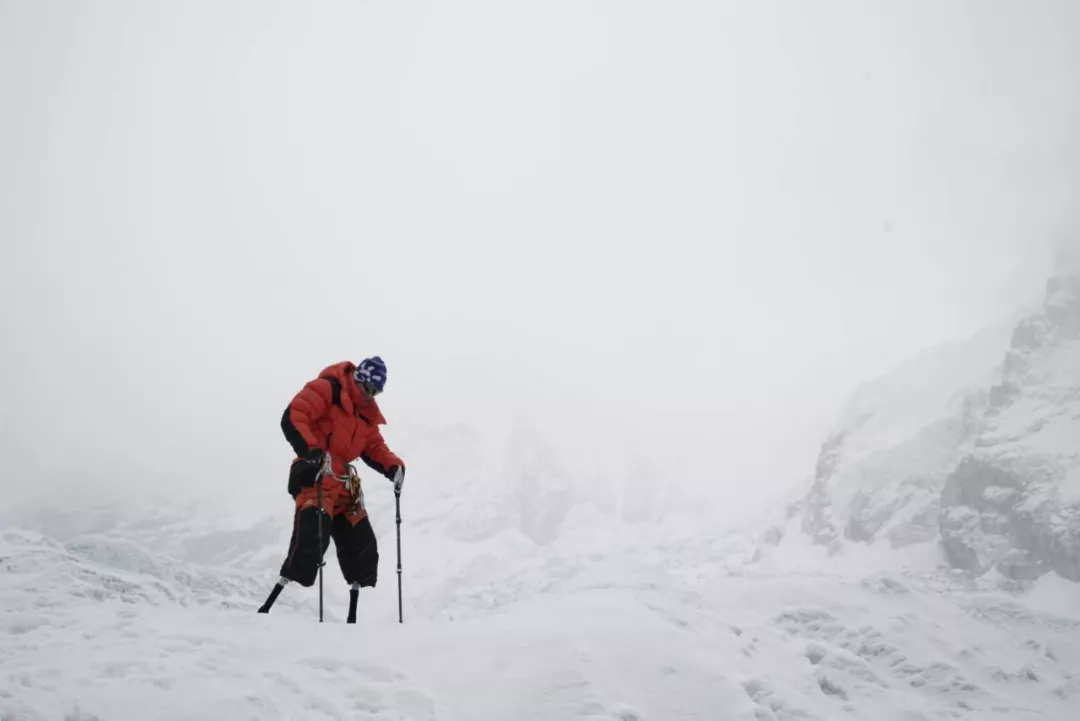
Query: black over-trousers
357	550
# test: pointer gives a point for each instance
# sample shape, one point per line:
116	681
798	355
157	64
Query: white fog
723	342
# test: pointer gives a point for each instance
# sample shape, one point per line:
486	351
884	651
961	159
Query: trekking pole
397	504
318	495
355	502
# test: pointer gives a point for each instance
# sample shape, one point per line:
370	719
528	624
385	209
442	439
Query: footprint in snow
283	681
377	674
770	705
623	712
20	624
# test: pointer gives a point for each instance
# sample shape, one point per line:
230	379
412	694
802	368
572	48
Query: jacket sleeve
378	457
308	406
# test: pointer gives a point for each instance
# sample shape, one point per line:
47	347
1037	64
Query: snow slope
659	623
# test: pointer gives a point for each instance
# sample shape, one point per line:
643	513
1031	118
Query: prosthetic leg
354	593
274	593
309	541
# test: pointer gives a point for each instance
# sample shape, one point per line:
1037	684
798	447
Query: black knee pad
302	563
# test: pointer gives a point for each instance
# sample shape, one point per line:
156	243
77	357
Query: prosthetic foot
282	582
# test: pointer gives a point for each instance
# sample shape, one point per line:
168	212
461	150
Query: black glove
315	457
396	474
305	470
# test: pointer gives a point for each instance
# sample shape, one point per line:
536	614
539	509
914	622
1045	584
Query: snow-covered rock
1014	503
880	472
542	492
975	444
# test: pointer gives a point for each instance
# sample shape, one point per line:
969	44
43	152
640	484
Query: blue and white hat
371	373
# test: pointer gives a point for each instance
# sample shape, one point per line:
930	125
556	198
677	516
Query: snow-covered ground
144	620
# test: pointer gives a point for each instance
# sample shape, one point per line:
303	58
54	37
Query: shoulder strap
335	391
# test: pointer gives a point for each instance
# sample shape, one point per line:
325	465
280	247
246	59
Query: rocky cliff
1014	501
975	445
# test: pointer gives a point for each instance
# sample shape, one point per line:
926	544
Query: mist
670	234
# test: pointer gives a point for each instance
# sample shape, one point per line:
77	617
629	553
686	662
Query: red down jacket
347	428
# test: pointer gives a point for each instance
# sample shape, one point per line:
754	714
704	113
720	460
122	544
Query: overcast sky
676	231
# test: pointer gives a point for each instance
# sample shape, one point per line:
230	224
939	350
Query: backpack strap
335	391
